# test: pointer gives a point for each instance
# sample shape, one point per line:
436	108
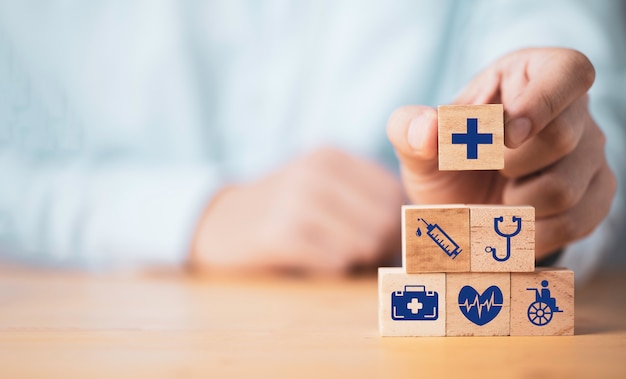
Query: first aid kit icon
415	303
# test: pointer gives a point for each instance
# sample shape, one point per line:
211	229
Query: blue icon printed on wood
508	236
541	311
415	303
441	238
480	308
472	138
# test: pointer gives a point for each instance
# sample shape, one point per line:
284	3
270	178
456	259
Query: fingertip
413	131
422	136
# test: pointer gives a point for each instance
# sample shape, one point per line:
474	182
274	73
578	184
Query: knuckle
568	229
607	180
595	139
601	137
551	101
559	192
582	67
562	138
612	183
577	230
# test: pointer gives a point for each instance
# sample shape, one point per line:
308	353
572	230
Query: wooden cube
478	304
411	304
435	238
542	303
502	238
471	137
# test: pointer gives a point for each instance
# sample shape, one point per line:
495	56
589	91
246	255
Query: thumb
412	131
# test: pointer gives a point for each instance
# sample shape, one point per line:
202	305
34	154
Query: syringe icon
442	239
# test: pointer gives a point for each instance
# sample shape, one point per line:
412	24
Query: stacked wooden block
469	270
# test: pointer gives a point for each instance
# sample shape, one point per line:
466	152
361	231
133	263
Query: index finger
555	78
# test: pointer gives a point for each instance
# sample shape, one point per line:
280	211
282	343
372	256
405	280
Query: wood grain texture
453	119
166	324
484	238
457	324
420	253
393	280
561	286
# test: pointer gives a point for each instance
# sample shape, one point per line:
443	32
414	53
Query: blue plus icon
472	138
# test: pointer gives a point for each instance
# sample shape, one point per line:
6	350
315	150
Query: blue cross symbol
472	138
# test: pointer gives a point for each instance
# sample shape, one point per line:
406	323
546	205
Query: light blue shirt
119	120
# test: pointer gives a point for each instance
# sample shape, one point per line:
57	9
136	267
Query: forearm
78	215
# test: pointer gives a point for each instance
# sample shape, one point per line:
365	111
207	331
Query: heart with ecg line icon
480	308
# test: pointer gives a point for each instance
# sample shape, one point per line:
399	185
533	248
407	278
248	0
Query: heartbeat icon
480	308
476	303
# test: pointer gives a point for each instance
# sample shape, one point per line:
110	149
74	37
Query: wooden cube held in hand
471	137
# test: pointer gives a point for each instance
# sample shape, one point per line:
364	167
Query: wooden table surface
170	325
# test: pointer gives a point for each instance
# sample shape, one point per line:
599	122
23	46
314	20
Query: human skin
555	157
328	211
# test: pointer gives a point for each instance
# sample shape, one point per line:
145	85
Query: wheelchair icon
540	312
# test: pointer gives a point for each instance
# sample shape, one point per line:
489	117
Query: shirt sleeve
491	29
106	158
97	217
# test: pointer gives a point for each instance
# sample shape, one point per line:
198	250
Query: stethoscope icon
496	227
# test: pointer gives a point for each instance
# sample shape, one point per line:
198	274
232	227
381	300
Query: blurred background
119	120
